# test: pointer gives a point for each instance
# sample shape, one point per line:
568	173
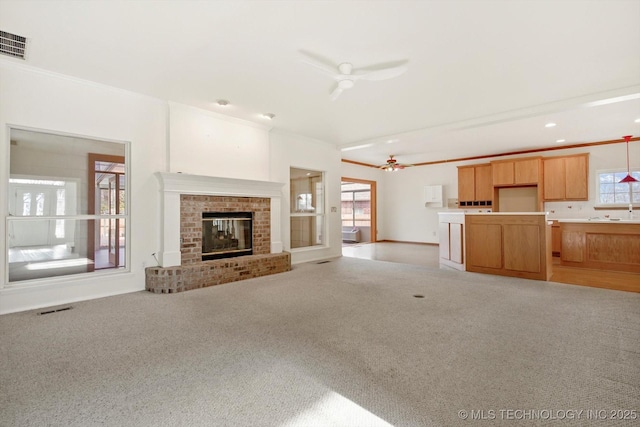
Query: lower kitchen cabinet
451	237
516	245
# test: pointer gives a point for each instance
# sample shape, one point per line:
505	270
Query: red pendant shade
628	178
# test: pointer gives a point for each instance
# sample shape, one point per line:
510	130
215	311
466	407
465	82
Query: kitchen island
602	244
598	252
514	244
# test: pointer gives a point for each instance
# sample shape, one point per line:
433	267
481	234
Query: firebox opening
226	234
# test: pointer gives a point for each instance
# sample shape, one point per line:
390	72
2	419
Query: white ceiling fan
346	76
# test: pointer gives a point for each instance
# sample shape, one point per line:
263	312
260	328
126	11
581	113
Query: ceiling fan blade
382	74
319	63
336	93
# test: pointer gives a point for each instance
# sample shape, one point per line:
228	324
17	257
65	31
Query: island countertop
506	213
599	220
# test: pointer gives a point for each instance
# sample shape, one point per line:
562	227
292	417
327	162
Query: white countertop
506	213
491	213
600	220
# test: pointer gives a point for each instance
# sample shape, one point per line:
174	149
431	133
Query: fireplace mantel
172	185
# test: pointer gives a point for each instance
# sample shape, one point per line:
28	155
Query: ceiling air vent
12	44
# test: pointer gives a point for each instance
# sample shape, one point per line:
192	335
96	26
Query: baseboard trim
405	241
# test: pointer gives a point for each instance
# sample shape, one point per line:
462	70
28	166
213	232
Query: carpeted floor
343	343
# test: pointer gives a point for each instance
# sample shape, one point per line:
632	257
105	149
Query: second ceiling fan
392	165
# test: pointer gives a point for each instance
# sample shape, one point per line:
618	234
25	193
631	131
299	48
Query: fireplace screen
226	234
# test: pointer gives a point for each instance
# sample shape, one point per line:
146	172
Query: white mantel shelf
209	185
172	185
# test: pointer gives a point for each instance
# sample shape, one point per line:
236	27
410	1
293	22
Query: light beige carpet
343	343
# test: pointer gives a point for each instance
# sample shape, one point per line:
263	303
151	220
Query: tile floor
407	253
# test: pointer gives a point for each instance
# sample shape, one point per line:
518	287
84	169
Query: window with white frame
612	193
307	208
67	204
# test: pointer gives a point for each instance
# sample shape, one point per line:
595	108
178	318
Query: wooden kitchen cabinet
474	185
466	183
528	171
503	173
577	177
566	177
516	172
516	245
601	245
484	185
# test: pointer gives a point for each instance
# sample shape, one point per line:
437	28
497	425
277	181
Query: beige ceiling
483	76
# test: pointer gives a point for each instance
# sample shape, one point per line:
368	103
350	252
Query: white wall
406	217
289	150
164	137
205	143
403	216
46	101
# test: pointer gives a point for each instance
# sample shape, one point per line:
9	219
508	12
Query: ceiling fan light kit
392	165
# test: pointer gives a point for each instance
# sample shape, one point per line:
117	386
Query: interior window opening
67	206
307	208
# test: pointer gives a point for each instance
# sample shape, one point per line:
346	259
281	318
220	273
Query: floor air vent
12	44
322	262
55	311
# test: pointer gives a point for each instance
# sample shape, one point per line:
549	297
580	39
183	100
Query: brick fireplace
185	200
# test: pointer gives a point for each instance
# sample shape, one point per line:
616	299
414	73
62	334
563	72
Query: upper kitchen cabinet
474	185
566	177
514	172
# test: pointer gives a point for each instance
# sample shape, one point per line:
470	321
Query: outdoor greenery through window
67	205
613	193
307	208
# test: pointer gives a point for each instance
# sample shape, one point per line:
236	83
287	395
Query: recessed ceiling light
222	102
637	120
268	116
560	140
392	141
550	125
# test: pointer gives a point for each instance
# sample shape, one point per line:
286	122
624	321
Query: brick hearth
194	273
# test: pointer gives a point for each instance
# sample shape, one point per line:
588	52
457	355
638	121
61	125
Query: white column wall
289	150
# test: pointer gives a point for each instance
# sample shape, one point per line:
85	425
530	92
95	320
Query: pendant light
628	178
